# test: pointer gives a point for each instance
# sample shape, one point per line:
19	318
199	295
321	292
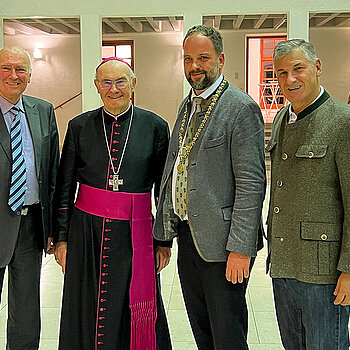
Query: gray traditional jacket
226	180
308	221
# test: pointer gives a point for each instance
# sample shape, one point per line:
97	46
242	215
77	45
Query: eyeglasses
120	84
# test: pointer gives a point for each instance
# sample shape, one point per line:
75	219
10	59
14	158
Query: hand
50	247
60	255
163	255
342	290
237	267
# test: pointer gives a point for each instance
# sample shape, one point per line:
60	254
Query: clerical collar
318	101
118	115
5	105
208	92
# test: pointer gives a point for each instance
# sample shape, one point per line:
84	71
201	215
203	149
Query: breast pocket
311	151
211	143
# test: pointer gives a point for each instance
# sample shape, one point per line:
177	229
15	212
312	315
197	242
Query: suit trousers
23	323
216	308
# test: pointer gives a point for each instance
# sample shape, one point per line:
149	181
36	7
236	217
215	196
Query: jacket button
284	156
310	154
173	154
279	183
195	215
324	237
276	210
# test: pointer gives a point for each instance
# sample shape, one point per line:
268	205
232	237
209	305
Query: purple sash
135	207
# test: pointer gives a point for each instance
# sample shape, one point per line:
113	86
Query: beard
209	78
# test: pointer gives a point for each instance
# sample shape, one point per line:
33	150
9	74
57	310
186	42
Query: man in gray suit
212	194
28	164
309	215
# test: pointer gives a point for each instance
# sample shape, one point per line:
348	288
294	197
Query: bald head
115	82
117	64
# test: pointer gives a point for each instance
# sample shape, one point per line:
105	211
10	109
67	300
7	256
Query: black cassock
95	310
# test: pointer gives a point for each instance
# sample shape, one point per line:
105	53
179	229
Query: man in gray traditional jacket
212	193
309	215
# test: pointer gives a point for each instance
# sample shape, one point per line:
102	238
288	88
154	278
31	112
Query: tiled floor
263	333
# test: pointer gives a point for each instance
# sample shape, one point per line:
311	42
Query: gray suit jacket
42	124
226	180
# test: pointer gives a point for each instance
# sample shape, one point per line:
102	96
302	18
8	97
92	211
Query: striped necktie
18	177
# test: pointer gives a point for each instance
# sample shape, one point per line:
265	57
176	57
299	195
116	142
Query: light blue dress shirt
32	191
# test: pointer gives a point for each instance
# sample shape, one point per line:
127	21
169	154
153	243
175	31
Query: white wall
254	69
159	73
56	77
158	68
333	48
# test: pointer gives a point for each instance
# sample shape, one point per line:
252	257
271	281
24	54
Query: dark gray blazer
226	181
43	128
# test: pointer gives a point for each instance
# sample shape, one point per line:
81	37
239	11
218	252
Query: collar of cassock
120	117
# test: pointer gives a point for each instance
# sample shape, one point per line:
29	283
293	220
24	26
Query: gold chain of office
188	148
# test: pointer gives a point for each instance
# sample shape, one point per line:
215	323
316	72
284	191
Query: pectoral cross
115	182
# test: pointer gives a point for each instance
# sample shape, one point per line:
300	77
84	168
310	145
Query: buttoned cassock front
308	222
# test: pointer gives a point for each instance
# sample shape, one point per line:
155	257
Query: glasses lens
121	83
106	84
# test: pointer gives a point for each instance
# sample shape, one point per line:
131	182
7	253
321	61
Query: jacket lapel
276	129
5	141
33	119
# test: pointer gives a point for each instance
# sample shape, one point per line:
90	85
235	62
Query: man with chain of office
212	193
104	241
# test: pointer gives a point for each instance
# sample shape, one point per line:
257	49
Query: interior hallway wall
159	73
331	45
56	77
158	67
333	48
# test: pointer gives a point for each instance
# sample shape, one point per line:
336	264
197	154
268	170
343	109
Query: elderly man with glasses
104	242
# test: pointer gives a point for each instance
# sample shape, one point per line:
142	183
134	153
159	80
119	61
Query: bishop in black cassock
107	152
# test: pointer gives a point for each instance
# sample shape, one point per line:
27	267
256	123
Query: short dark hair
283	48
211	33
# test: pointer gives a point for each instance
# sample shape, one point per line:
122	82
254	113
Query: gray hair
211	33
19	50
283	48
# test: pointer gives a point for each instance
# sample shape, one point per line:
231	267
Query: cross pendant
115	182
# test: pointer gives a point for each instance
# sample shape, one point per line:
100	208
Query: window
120	48
270	94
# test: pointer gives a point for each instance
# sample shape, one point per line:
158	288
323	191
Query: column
91	54
298	24
1	32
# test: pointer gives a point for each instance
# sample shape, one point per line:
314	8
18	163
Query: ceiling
112	25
